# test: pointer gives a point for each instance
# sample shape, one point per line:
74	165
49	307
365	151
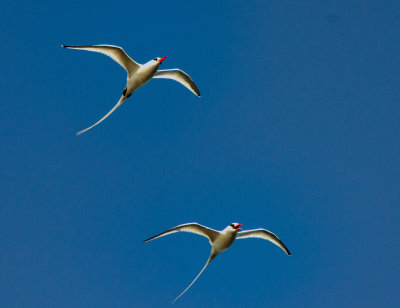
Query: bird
138	74
221	240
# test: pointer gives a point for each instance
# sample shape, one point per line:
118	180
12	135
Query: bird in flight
138	74
221	240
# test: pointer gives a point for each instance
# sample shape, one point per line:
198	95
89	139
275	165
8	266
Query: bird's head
235	227
159	60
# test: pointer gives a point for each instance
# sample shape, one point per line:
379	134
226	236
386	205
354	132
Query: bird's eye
155	59
232	225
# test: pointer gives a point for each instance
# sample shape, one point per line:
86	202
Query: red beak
237	228
162	59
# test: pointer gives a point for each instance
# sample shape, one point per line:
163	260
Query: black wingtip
65	46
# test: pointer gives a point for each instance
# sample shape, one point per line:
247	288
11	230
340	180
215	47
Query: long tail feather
212	256
121	100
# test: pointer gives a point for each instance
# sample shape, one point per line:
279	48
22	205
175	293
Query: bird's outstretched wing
179	76
265	235
192	227
114	52
121	100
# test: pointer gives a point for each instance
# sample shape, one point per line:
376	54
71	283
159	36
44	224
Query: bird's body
137	74
221	240
224	240
140	77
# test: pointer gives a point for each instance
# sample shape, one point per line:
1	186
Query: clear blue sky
297	131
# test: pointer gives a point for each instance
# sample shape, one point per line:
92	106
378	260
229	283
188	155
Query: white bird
221	240
138	74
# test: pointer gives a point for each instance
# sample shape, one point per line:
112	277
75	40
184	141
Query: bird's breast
224	241
141	77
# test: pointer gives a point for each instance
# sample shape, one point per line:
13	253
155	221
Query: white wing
114	52
265	235
179	76
193	227
121	100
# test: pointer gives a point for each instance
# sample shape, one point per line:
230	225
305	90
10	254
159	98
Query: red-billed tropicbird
221	240
138	74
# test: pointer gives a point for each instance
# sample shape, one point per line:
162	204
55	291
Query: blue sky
297	131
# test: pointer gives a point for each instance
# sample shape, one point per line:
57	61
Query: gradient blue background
297	131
